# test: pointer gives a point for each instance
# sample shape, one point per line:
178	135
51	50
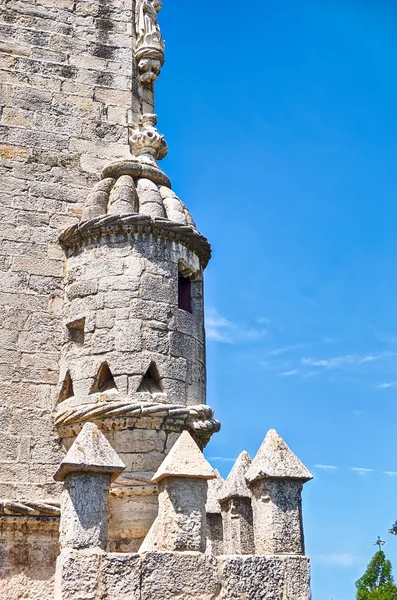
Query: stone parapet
183	576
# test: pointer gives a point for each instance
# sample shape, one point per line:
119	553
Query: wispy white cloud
340	361
220	329
390	473
361	471
387	384
339	560
289	373
326	467
217	327
221	458
285	349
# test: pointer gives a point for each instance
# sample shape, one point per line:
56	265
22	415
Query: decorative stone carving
117	415
150	45
146	143
29	508
101	228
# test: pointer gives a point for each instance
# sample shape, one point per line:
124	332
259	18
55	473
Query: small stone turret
87	471
276	478
182	479
235	501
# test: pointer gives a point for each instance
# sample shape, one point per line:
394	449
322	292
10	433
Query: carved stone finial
182	479
150	45
185	460
235	501
146	143
235	485
274	460
90	453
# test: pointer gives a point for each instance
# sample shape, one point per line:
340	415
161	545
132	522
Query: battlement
261	552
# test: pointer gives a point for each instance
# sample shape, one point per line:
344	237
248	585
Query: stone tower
102	341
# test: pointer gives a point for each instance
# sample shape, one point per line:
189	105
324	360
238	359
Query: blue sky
280	118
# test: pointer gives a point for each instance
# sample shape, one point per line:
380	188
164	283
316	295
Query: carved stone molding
136	170
29	509
104	228
25	517
117	415
150	45
147	144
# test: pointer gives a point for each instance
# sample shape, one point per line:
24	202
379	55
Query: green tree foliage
377	582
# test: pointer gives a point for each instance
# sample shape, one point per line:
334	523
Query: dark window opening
151	381
104	380
67	388
185	293
76	331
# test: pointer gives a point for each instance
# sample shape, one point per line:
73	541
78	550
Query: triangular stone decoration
91	452
235	486
274	460
104	380
185	460
151	381
67	388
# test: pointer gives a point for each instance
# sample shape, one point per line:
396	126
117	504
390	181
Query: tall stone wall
67	92
66	73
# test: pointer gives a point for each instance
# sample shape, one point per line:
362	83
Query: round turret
133	354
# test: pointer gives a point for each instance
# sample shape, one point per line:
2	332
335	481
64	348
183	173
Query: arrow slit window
184	293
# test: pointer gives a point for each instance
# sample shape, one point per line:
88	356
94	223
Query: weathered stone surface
76	89
85	510
258	577
277	515
77	574
214	489
181	520
90	453
235	501
235	486
185	460
168	576
275	460
214	526
276	477
238	526
121	576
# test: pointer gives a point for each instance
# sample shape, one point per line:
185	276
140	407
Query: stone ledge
106	228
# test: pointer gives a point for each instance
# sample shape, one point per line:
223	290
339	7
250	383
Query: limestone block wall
27	558
67	89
